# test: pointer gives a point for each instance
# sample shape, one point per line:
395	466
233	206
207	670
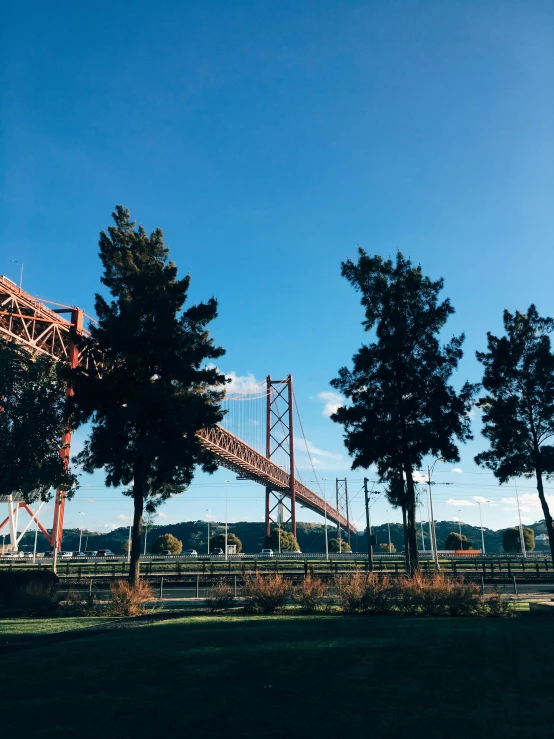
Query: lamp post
481	522
208	522
226	519
521	537
388	526
432	515
80	531
324	480
460	528
16	261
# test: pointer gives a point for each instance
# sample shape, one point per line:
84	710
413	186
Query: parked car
65	555
49	553
79	554
191	553
13	555
91	554
267	552
105	553
217	552
166	553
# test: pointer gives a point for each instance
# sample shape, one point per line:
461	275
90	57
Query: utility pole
368	527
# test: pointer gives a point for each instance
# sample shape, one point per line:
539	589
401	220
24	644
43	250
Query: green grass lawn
274	677
24	629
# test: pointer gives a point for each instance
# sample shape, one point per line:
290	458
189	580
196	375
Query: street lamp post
432	515
521	537
208	522
324	480
226	519
81	531
388	526
481	522
460	528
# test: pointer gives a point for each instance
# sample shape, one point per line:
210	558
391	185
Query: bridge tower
279	509
341	489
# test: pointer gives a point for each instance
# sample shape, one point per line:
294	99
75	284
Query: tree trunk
136	534
411	523
546	512
406	541
412	536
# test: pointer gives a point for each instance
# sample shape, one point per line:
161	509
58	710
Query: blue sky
268	140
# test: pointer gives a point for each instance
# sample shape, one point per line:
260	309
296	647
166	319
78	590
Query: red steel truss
241	458
30	323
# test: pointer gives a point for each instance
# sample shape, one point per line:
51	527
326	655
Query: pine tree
518	410
33	417
401	405
154	390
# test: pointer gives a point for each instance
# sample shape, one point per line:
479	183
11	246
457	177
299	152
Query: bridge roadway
27	321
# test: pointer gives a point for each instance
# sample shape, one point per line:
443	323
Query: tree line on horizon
158	387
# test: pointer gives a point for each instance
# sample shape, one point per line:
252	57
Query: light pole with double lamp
481	522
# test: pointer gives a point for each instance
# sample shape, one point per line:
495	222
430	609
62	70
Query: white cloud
332	401
460	503
123	517
241	383
417	476
527	502
457	470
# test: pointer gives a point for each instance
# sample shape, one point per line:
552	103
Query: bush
285	539
83	604
511	539
453	541
437	595
496	606
390	549
128	600
265	594
309	594
221	597
28	593
167	541
218	542
365	592
339	545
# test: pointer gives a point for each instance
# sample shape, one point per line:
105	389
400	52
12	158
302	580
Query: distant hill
311	536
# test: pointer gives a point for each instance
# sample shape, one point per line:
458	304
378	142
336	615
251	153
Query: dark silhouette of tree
453	541
401	405
154	391
218	542
288	541
33	417
511	539
518	410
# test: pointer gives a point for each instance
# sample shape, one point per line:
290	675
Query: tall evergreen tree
33	417
154	390
401	405
518	410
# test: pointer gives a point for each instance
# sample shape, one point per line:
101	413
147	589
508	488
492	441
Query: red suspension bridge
264	413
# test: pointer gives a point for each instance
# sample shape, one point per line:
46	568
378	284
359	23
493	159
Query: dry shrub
129	600
221	597
366	592
496	606
265	594
437	595
309	594
83	604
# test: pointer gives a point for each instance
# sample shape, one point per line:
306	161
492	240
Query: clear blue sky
268	140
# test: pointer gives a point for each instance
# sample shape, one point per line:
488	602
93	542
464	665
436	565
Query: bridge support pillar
280	449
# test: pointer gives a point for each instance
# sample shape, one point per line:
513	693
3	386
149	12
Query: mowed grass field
287	676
